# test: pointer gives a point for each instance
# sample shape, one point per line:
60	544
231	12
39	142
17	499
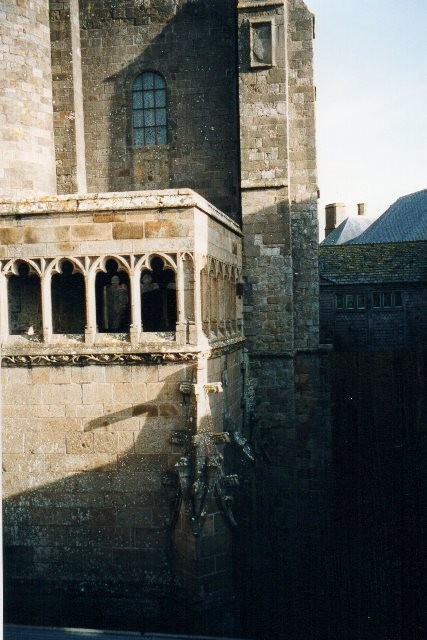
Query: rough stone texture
68	96
88	457
303	175
27	164
210	53
192	44
290	486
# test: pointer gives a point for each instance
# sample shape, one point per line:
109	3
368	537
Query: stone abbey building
165	439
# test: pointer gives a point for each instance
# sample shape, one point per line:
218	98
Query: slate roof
350	228
399	262
405	220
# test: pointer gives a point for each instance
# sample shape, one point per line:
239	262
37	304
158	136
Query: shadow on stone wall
379	428
94	549
195	53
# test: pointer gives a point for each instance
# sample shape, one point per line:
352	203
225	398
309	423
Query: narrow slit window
376	300
397	299
149	116
361	302
350	301
340	301
387	300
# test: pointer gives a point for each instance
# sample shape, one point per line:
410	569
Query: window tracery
83	298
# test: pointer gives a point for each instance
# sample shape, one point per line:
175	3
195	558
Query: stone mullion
4	309
197	298
46	294
233	298
135	294
181	325
213	303
221	303
90	331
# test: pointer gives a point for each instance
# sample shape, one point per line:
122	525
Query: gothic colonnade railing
205	293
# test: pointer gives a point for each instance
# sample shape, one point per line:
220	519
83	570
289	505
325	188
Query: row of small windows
353	302
112	295
149	114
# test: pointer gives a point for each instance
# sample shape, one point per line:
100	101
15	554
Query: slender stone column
46	306
4	311
135	298
90	331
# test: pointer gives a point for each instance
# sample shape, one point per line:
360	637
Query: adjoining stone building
184	132
373	277
373	310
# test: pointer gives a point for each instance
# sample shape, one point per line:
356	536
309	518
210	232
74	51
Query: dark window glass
387	298
397	299
149	118
340	301
376	300
350	301
361	302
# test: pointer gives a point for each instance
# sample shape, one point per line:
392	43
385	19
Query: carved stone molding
60	360
82	359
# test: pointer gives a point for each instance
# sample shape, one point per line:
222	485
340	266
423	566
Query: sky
371	79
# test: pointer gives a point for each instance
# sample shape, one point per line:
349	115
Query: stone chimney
335	214
361	208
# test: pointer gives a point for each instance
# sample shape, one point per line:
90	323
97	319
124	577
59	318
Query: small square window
361	302
350	302
397	299
387	300
340	301
376	300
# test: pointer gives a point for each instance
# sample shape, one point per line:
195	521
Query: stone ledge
275	183
114	201
259	4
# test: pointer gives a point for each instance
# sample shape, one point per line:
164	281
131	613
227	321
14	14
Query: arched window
68	300
112	299
24	301
158	297
149	125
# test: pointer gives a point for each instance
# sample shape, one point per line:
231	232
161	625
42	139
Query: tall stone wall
192	44
290	425
88	458
27	164
379	427
303	175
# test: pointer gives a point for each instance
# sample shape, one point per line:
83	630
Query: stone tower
130	391
27	164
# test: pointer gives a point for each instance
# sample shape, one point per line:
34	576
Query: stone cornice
274	183
114	201
259	4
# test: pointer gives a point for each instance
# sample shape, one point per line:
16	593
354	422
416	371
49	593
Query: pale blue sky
371	77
